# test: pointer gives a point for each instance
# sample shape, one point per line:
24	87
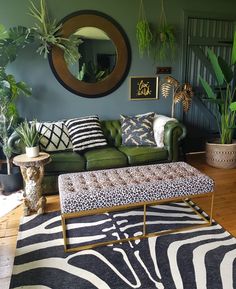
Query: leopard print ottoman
115	187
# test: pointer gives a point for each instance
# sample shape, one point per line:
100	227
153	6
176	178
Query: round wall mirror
98	55
105	55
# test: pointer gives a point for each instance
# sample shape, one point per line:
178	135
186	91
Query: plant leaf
24	88
21	36
3	32
216	101
233	55
233	106
210	93
227	71
216	67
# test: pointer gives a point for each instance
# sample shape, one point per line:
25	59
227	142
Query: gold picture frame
143	88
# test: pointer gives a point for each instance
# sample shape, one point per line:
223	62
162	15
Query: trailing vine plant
49	34
143	32
165	38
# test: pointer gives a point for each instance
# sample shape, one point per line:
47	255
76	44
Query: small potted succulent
29	135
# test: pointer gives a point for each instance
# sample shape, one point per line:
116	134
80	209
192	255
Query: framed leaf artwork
143	88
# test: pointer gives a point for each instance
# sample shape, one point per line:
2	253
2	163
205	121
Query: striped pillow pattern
85	133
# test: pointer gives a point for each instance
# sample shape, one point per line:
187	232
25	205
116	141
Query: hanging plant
143	32
165	38
49	34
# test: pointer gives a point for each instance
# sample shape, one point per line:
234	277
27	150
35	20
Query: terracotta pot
32	152
221	155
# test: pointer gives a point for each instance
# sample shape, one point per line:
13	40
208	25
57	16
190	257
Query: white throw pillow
158	128
55	136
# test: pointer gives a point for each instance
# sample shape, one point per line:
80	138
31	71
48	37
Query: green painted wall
51	101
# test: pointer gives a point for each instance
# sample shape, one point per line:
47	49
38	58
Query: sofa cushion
65	162
112	132
104	158
144	154
86	133
137	130
55	136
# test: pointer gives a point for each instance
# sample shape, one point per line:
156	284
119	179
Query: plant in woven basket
222	96
182	93
165	38
48	34
143	32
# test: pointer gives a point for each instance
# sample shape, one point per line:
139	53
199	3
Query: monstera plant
223	98
11	41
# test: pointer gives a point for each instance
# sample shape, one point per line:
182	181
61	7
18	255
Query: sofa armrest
174	132
16	144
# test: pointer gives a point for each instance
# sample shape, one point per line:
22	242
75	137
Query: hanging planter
165	38
143	32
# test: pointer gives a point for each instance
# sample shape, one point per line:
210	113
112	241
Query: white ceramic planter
32	152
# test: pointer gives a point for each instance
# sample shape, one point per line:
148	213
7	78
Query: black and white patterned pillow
55	136
137	130
85	133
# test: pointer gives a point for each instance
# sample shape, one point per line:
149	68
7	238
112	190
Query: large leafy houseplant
222	96
11	41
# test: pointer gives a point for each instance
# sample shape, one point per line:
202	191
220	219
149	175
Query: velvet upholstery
115	155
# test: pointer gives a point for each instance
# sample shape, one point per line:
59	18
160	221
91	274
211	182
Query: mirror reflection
97	55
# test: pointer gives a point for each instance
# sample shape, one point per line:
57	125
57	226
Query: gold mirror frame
84	18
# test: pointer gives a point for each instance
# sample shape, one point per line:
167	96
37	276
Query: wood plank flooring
224	213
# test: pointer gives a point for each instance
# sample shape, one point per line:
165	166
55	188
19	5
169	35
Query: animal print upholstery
113	187
137	130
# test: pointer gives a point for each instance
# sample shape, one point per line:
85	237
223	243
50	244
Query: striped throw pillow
85	133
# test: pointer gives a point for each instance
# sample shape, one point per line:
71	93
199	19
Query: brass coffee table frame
145	234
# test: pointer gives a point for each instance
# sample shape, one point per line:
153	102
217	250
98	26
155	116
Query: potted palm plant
29	135
11	42
222	153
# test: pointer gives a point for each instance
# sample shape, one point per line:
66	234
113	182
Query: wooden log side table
32	170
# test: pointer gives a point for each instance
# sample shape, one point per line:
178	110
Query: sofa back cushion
112	132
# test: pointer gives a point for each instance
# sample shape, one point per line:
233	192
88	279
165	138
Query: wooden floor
224	213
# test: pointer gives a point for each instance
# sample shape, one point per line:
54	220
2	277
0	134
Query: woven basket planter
221	155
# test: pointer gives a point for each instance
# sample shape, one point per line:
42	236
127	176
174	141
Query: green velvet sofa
115	155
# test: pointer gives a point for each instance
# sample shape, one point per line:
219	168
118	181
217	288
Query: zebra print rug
197	259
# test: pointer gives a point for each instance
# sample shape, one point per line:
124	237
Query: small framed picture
143	88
